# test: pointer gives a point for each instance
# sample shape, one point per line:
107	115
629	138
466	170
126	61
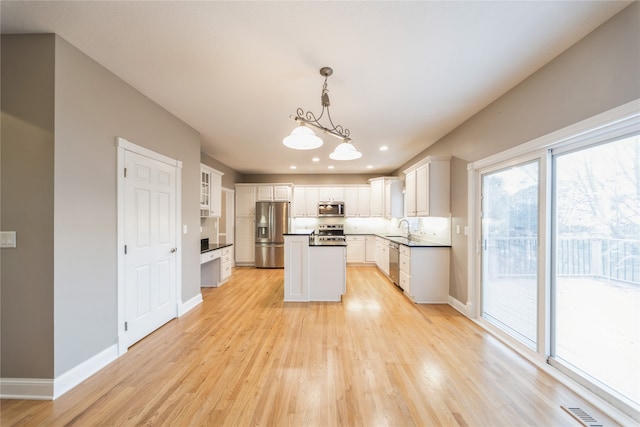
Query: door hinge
125	172
126	326
125	249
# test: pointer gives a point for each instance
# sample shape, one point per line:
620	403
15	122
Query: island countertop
413	243
313	239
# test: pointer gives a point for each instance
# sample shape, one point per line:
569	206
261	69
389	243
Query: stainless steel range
331	233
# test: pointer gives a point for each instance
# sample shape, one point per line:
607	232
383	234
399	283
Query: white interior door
150	237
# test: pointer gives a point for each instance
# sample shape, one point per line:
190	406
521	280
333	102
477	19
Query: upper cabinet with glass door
210	192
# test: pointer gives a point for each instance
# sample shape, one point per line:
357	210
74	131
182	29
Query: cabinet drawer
226	271
405	263
405	282
210	256
226	258
404	250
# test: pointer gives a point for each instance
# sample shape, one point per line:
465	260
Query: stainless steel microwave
331	209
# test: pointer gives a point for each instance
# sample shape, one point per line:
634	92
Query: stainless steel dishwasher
394	262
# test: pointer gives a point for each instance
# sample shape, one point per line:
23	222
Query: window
510	250
554	253
596	280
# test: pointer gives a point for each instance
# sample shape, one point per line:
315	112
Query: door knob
174	250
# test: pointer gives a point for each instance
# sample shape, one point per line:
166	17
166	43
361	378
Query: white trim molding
185	307
465	309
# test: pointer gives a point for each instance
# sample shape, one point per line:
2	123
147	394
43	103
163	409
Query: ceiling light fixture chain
310	118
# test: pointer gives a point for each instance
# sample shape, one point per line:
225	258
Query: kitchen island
313	270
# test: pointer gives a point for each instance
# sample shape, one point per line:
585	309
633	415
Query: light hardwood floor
244	357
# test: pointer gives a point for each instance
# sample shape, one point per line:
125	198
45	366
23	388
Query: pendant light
303	138
345	151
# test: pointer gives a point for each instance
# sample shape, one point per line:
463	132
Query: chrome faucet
400	225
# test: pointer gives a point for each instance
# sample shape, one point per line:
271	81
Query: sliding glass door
510	250
596	266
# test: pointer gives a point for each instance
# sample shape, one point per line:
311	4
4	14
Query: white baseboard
26	388
51	389
189	305
466	309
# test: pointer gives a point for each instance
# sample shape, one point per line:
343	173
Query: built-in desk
216	262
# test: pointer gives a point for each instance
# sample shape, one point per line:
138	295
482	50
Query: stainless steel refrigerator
272	222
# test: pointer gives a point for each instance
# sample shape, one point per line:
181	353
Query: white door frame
124	145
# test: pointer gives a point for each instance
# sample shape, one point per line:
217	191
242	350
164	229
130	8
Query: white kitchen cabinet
226	264
274	193
386	197
357	201
205	190
244	242
210	192
424	273
331	194
422	190
370	249
393	200
382	255
355	249
245	200
410	193
305	202
377	197
427	187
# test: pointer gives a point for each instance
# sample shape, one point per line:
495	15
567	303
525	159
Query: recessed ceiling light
315	159
330	167
369	167
383	148
293	167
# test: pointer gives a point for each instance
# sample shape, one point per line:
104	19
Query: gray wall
92	108
600	72
230	176
26	275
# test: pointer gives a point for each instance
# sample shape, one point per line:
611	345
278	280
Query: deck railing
610	259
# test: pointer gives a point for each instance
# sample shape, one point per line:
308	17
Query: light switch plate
184	228
7	239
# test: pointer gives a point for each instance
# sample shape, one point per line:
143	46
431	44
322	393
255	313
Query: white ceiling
405	73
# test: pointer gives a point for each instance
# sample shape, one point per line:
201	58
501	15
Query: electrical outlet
7	239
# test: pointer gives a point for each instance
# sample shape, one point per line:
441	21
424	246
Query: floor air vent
582	417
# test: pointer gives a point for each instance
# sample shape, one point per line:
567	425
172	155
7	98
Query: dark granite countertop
213	247
316	243
313	239
413	243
